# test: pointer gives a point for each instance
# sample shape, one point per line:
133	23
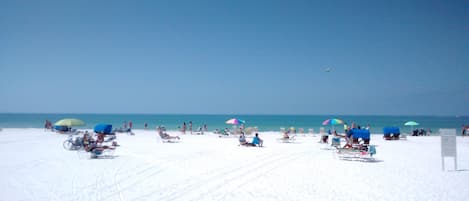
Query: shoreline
176	132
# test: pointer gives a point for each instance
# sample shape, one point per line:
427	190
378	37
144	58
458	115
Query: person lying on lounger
95	147
166	136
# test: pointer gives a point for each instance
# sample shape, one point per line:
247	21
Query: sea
262	122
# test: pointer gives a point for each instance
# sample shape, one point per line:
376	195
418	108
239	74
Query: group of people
201	129
421	132
256	141
95	146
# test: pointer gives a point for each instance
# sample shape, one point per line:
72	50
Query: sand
35	166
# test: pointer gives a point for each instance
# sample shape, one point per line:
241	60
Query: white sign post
448	146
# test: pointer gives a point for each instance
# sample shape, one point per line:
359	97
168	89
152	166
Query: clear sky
244	57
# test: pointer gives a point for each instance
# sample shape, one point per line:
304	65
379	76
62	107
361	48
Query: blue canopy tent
391	133
361	133
103	128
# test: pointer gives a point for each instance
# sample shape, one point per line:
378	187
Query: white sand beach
36	167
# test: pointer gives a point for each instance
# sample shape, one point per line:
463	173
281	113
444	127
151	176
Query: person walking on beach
190	126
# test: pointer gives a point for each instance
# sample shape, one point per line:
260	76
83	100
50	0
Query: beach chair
166	138
282	130
223	133
359	151
290	139
335	142
101	151
249	131
65	130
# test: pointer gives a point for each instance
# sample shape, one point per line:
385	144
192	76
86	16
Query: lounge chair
167	138
290	139
65	130
359	151
335	142
101	151
226	133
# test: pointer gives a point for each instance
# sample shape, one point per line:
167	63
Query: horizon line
227	114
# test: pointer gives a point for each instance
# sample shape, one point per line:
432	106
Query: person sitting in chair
257	141
325	137
87	140
286	136
100	138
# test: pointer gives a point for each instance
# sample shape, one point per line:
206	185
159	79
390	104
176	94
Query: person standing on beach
190	126
130	125
46	125
184	127
145	125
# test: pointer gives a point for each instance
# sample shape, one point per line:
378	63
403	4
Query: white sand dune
35	167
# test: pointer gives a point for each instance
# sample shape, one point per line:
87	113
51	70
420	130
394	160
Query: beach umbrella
411	124
69	122
235	121
332	122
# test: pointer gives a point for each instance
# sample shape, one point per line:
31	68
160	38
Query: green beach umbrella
69	122
411	124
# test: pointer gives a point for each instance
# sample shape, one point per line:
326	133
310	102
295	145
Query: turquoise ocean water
263	122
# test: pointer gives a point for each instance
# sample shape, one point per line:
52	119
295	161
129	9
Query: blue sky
244	57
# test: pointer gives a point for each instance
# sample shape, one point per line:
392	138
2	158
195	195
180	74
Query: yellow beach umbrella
70	122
